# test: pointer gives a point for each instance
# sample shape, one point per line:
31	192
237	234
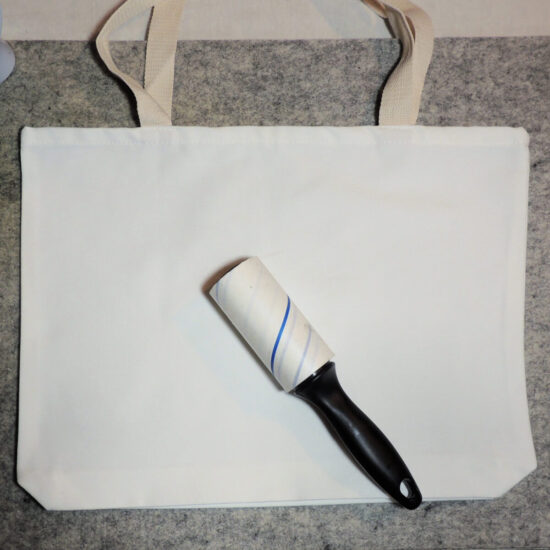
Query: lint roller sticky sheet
300	361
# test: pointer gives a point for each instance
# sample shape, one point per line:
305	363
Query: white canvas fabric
404	245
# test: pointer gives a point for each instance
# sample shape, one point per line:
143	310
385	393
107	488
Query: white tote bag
404	246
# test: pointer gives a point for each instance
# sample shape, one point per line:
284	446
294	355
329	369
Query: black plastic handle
368	445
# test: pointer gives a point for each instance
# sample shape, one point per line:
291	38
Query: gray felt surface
503	82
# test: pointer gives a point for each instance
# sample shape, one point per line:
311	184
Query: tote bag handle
400	97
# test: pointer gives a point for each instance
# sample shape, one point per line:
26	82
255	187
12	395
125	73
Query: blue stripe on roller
303	357
284	346
281	330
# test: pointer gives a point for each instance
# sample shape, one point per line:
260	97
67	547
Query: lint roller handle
368	445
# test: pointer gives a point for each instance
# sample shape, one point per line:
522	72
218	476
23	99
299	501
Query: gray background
503	82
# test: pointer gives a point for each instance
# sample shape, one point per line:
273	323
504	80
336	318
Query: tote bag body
404	245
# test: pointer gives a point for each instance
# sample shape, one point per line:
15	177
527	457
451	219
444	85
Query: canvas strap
400	97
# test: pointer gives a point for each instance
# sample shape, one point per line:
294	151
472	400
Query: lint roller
300	361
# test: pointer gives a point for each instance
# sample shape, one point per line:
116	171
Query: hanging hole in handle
410	497
406	489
